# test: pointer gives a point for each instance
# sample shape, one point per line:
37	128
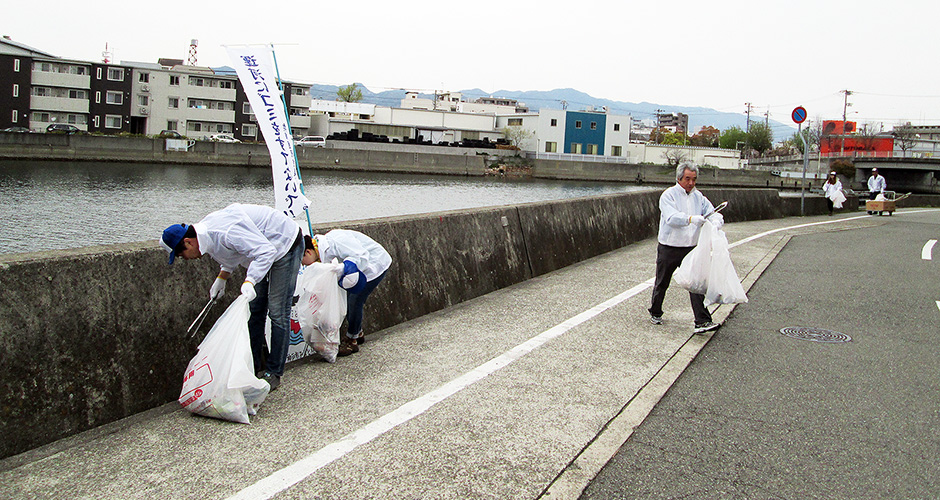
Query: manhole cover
815	334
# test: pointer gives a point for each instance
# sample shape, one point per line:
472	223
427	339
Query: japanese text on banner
255	69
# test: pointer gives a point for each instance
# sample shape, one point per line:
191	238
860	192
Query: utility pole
659	126
747	138
845	105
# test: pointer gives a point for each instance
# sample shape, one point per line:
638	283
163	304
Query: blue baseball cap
172	236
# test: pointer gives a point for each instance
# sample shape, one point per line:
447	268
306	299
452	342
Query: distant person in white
832	189
876	185
682	213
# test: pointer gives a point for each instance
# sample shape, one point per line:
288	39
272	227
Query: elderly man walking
682	213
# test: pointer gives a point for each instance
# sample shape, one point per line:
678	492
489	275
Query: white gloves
350	280
698	220
248	290
717	219
218	289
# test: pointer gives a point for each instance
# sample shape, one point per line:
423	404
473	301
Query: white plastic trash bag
708	269
881	197
724	287
220	381
693	273
321	309
837	199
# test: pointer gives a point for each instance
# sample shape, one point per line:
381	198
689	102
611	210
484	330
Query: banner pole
293	148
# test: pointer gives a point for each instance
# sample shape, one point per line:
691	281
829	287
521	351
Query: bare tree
905	137
675	156
866	135
517	136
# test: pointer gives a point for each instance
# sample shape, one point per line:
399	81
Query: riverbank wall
365	157
92	335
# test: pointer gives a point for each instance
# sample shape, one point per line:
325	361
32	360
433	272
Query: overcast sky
773	54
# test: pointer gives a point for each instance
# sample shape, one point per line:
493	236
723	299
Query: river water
59	205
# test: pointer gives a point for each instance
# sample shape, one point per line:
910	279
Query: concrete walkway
523	393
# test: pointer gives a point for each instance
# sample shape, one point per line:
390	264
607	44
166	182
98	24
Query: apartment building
38	89
673	122
588	132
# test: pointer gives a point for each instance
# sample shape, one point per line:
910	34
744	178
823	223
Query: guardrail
578	157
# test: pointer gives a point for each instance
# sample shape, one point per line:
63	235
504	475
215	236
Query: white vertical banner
258	76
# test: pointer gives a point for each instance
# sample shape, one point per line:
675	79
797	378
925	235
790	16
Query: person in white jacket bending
682	213
364	265
269	245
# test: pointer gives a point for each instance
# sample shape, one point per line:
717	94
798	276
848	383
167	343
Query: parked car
16	130
170	134
314	141
63	128
223	138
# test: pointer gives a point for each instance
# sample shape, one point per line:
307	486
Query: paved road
528	391
762	415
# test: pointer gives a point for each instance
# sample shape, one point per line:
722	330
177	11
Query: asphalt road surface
762	415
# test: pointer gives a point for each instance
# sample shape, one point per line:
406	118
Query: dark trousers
668	260
355	302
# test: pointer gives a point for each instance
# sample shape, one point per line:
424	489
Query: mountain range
575	101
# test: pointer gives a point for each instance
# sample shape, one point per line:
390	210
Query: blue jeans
275	294
354	304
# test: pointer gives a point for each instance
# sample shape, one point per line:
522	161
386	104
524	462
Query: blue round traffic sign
799	114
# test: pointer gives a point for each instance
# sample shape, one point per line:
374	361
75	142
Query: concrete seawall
360	156
92	335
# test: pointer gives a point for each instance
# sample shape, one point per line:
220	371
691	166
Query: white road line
927	252
284	478
298	471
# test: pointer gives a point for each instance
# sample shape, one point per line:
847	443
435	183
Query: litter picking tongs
721	206
193	328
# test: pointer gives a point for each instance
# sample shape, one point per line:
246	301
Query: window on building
97	121
593	125
78	94
194	126
16	90
16	115
175	80
42	91
76	119
143	100
299	91
592	149
515	122
576	148
226	84
197	104
616	151
97	98
143	77
577	124
115	74
616	127
98	74
115	97
172	124
551	147
246	108
174	102
16	65
39	116
554	122
112	121
249	130
197	82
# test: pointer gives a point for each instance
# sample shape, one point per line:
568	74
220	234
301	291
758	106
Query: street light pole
845	104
